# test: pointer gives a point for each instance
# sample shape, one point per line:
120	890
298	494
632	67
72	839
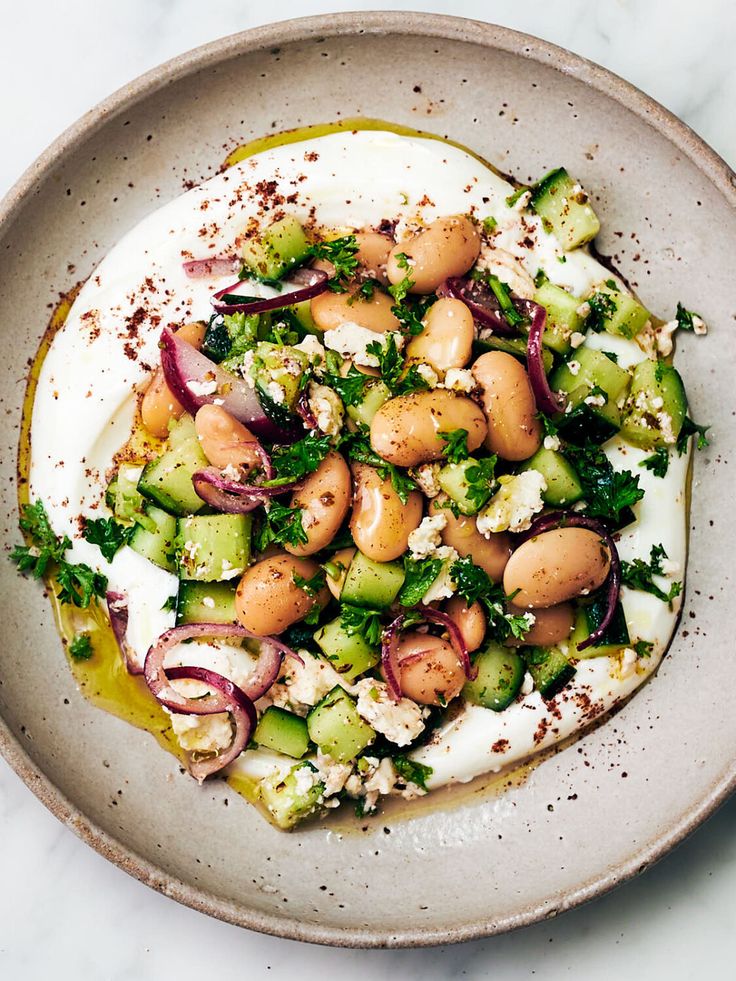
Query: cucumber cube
349	654
372	584
293	798
550	669
656	407
335	726
375	395
283	732
563	318
585	421
453	480
167	481
592	369
280	247
205	602
499	678
617	312
154	540
122	495
563	485
282	365
213	547
588	619
563	206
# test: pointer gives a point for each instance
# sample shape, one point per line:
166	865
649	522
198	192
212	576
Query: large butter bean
430	670
447	338
461	533
324	499
551	625
405	430
448	247
341	561
372	254
470	621
380	523
556	566
159	406
268	600
225	441
329	310
514	432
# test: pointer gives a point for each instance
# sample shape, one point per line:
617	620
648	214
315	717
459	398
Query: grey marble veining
63	909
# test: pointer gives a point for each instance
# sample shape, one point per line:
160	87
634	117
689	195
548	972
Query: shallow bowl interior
587	817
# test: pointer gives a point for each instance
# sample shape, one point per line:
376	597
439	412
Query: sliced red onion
456	637
225	697
305	412
304	284
556	519
547	401
231	496
197	381
480	299
216	265
117	608
390	641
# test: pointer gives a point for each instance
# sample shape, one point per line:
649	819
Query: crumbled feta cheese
209	602
333	775
573	367
669	568
425	477
231	472
276	392
313	350
527	685
327	408
552	443
427	372
351	340
628	662
400	722
576	339
597	400
459	380
514	505
443	586
308	683
425	539
664	421
246	368
657	402
229	571
507	267
202	733
582	311
305	777
207	386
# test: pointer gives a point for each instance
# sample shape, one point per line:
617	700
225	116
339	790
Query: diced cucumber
617	312
585	421
656	407
283	732
213	547
453	479
303	313
155	539
550	669
349	654
205	602
563	485
499	679
122	495
231	337
594	370
588	374
514	346
335	726
563	318
278	372
279	248
372	584
588	619
375	395
180	430
563	206
167	481
293	798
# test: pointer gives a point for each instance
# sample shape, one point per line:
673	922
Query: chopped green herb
475	585
685	318
243	333
541	278
481	481
643	648
489	224
419	576
341	253
513	198
108	534
281	525
365	291
351	388
503	295
456	445
364	622
639	575
80	647
310	586
602	308
80	584
607	491
549	427
298	460
399	290
611	356
360	451
395	376
690	428
658	462
412	772
169	604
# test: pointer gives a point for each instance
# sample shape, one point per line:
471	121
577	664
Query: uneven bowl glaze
462	865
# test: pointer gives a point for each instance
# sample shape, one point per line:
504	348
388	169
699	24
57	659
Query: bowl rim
447	27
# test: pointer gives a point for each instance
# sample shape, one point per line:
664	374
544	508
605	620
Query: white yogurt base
85	401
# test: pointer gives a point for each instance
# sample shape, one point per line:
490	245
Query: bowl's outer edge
379	22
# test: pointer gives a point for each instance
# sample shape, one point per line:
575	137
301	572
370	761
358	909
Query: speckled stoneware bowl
458	866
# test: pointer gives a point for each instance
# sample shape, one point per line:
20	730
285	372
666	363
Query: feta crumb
208	386
459	380
305	777
209	602
513	506
427	372
333	775
597	400
231	472
202	733
425	539
669	567
527	685
573	367
351	340
276	392
313	350
327	408
657	402
576	339
400	722
552	443
664	421
246	368
425	477
628	662
229	571
582	311
308	683
443	586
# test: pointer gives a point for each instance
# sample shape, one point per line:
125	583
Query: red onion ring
554	519
216	265
481	301
304	411
389	648
183	365
232	497
227	697
117	608
303	285
547	401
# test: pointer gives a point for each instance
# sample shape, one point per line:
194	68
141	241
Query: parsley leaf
475	585
602	308
643	648
411	315
607	492
170	604
419	576
481	481
79	584
399	290
391	364
80	647
690	428
658	462
360	451
281	525
684	318
341	253
311	587
301	458
365	291
489	224
503	294
456	445
364	622
549	427
108	534
351	388
639	575
412	772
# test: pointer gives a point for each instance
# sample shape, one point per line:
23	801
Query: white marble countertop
63	909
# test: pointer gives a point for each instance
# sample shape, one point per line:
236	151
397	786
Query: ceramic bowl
462	865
